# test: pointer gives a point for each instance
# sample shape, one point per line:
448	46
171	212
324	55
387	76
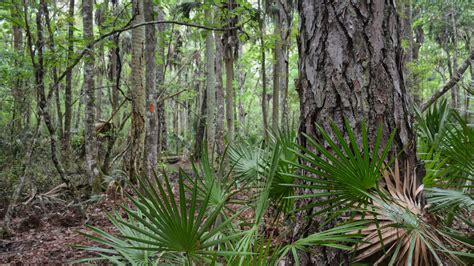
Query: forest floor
47	229
48	233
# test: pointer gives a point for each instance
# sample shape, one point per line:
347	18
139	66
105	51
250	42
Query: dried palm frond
401	230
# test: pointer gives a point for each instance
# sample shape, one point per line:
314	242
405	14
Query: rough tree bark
137	135
90	136
350	68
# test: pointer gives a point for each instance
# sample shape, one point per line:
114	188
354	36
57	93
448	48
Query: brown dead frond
401	230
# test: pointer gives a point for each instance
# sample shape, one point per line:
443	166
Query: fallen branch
450	84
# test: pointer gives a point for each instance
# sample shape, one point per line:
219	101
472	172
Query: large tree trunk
137	136
90	139
151	139
350	68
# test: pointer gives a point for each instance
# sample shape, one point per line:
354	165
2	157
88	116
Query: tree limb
127	28
450	84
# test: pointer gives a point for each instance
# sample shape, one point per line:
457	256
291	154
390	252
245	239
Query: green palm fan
252	163
340	173
338	237
170	224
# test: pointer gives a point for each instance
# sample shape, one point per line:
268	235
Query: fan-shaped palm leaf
182	228
343	171
401	230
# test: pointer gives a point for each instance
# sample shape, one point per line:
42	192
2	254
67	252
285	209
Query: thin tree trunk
455	90
276	76
210	84
451	68
100	18
285	16
160	79
220	99
137	136
242	77
417	89
263	73
151	138
38	66
66	140
408	51
55	84
90	136
77	121
468	95
229	97
201	128
17	91
230	51
115	67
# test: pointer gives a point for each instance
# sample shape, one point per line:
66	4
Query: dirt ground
48	233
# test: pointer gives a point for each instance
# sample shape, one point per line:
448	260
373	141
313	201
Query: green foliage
252	163
443	199
343	175
180	228
345	233
446	145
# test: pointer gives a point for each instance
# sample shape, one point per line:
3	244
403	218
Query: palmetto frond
341	170
401	229
337	237
168	223
252	163
444	199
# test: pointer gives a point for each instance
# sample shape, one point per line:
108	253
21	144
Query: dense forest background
285	105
